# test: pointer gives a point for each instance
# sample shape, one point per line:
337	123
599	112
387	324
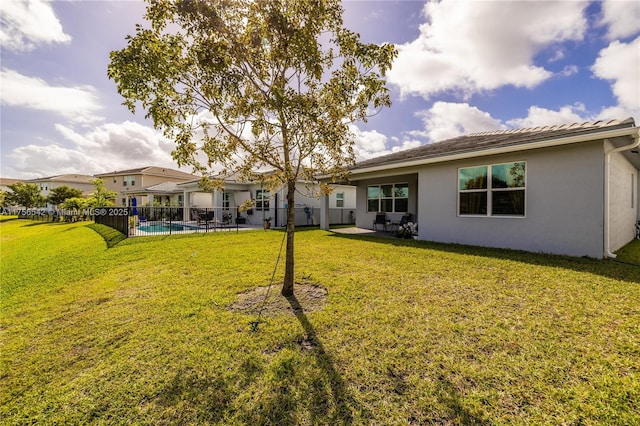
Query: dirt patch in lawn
306	298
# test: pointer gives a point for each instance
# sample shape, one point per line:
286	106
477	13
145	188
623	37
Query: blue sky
463	67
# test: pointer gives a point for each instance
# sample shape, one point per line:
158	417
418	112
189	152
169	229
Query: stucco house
141	183
77	181
565	189
341	202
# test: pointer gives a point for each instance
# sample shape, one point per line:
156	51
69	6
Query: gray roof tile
477	142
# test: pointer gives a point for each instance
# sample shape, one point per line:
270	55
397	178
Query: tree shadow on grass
456	412
322	399
306	389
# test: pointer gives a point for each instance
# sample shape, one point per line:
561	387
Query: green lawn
411	332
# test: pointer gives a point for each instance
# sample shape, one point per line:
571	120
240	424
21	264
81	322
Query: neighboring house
133	182
77	181
566	189
165	194
271	204
5	182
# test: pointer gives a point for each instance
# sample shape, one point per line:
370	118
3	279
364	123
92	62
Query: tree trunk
287	286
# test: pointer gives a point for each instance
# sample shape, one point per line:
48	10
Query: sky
462	67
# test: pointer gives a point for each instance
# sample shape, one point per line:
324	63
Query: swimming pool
163	227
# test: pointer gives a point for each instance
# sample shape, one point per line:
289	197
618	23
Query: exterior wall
563	203
46	186
114	182
365	219
201	199
623	201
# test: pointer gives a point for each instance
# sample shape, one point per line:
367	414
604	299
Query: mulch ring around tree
306	298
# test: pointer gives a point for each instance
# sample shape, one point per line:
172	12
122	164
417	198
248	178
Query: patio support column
324	212
186	205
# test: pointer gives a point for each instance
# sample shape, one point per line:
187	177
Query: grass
410	333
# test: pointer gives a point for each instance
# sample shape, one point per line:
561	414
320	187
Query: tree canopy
100	196
60	194
25	195
245	86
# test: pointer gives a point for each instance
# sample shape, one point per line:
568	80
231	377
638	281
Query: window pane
372	206
510	175
402	190
507	203
402	205
386	190
386	205
373	191
473	178
473	203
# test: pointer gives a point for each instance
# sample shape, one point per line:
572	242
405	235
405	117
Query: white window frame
339	200
226	200
392	198
262	200
489	190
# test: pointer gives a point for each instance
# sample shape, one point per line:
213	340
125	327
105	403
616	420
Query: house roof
150	170
76	178
484	143
164	188
8	181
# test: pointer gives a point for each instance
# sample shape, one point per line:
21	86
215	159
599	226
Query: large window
262	199
494	190
391	198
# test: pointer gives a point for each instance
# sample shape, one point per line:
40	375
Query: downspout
607	166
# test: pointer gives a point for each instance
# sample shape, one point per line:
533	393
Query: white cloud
622	18
368	143
619	63
111	146
445	120
407	144
371	143
538	116
78	104
469	47
27	24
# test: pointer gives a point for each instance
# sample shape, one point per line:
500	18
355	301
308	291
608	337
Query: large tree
25	195
249	85
60	194
100	196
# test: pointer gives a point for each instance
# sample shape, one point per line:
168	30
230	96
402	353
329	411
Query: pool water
162	227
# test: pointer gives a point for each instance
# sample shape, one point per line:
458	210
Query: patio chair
381	219
406	218
201	216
